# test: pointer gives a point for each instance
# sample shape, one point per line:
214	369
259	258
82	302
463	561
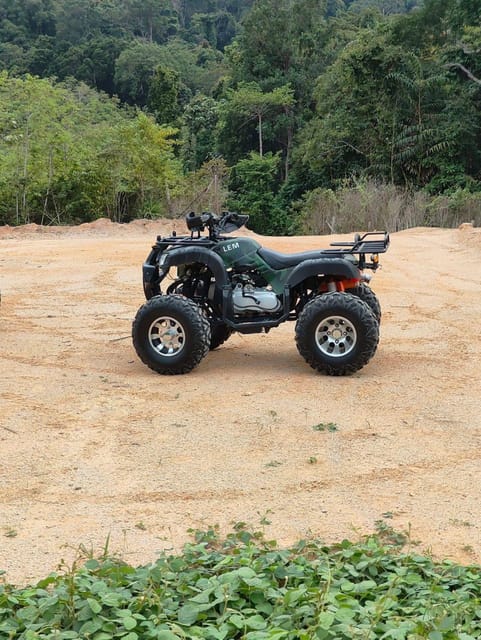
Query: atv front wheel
171	334
369	297
337	333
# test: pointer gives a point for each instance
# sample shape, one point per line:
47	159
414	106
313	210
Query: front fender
196	255
157	265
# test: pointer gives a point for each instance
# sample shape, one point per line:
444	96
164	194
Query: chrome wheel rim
336	336
166	336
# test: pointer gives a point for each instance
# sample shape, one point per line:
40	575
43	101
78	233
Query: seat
285	261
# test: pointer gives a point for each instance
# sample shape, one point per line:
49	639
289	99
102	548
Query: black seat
285	261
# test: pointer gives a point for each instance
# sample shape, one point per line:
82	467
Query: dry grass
370	206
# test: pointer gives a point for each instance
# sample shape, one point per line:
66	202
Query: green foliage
69	154
386	7
244	586
164	95
409	104
338	92
134	71
199	122
204	189
326	426
141	169
199	66
248	103
252	185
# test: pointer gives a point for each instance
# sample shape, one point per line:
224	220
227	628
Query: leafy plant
326	426
244	586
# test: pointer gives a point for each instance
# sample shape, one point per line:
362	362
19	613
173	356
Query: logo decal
230	247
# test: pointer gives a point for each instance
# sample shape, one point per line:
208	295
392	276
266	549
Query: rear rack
372	242
379	244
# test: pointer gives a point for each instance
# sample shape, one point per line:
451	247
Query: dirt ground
96	448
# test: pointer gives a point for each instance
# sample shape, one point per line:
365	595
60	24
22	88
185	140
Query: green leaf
435	635
255	622
95	606
246	573
347	585
344	614
447	623
325	619
237	620
204	596
129	623
166	635
187	615
90	627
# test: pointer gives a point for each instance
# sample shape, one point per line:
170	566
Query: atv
225	284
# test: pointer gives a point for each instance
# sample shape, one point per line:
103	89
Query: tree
199	122
247	106
164	95
71	154
151	20
218	28
142	169
253	184
92	61
134	71
255	105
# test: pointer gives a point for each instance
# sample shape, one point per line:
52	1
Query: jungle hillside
313	116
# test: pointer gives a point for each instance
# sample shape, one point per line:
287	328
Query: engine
248	298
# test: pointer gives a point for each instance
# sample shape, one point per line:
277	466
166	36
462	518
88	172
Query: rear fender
334	267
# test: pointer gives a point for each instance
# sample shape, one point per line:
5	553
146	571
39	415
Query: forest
313	116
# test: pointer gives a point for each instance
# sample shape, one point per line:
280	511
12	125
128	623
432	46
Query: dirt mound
470	235
99	227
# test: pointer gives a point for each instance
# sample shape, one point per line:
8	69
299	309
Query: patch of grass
245	587
467	548
460	523
326	426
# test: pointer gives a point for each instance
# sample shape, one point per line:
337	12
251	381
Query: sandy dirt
95	447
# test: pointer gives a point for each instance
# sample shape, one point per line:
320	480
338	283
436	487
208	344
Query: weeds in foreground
243	586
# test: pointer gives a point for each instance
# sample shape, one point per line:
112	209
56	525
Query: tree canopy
113	108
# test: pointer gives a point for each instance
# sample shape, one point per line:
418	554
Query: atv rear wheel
369	297
337	333
171	334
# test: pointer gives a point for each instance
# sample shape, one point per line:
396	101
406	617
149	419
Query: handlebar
228	221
